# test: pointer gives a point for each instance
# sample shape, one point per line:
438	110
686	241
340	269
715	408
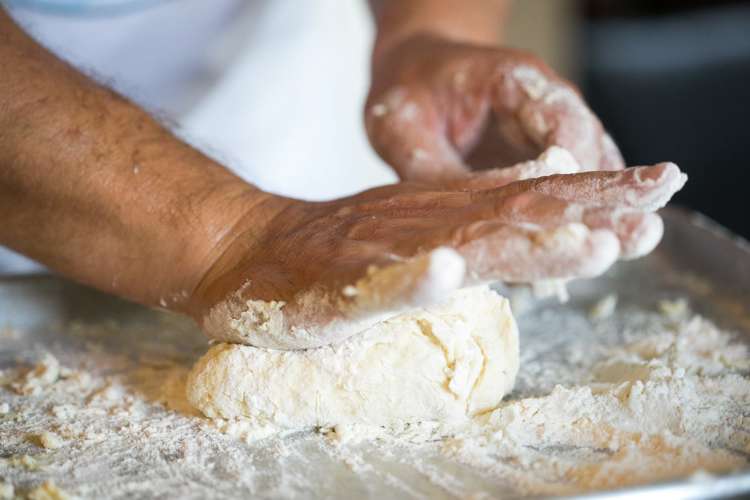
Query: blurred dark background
670	79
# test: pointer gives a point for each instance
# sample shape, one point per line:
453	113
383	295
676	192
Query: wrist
236	220
213	222
477	22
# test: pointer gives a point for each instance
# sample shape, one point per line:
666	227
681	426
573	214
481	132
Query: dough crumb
604	308
674	309
9	333
63	412
44	374
50	440
6	491
557	288
26	461
48	490
4	409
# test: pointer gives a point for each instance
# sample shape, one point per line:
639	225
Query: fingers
618	202
549	112
487	251
484	251
643	188
528	254
406	132
492	251
639	188
637	232
554	160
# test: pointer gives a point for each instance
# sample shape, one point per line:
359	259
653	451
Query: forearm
93	187
476	21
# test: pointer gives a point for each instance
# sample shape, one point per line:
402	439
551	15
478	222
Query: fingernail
649	175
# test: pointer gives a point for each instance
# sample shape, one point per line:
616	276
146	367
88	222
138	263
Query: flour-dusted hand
316	273
433	102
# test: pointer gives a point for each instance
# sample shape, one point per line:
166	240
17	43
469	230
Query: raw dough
379	295
442	363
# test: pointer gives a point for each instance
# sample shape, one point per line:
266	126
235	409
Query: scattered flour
48	491
7	492
557	288
674	308
604	308
50	440
630	398
656	408
36	379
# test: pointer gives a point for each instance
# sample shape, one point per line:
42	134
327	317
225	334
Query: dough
442	363
379	295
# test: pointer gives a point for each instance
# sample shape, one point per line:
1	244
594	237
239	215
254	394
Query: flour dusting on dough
381	294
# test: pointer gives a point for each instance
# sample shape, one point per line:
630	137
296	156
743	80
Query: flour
382	293
35	380
604	308
50	440
49	491
557	288
629	398
656	408
7	492
552	161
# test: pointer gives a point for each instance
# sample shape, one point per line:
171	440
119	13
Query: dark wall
677	87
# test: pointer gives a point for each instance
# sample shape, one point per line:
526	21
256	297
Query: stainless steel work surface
120	439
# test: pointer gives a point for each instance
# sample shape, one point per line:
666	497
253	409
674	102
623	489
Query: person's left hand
437	108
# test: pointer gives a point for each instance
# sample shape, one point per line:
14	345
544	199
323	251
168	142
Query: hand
337	263
437	106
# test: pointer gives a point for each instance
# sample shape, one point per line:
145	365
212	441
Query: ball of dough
442	363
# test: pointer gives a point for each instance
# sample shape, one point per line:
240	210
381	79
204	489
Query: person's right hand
318	258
